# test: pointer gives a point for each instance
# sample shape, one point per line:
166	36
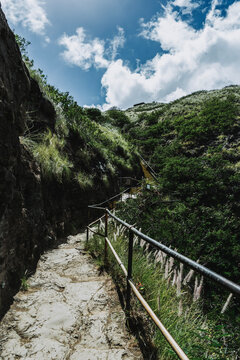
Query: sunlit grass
49	155
198	337
84	180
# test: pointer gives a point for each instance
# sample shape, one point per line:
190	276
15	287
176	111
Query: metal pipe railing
159	324
128	273
183	259
130	285
99	207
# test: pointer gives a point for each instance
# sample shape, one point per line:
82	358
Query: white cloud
170	32
186	6
193	60
30	13
123	87
85	52
117	42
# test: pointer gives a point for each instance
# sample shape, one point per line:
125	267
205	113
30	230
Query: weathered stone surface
23	227
68	312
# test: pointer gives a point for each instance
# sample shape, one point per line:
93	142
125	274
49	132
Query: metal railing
234	288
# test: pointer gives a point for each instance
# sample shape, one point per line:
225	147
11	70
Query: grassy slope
84	145
194	145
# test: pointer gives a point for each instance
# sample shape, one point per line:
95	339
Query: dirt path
69	312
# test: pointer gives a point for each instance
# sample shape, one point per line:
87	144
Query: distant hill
188	101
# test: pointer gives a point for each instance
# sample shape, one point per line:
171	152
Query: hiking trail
69	312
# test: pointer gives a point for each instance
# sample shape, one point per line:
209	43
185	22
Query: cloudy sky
120	52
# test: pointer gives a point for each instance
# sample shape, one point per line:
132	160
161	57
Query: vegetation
24	282
48	154
196	156
83	146
84	180
168	296
193	145
118	119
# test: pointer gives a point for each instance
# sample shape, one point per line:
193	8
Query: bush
216	117
118	118
95	114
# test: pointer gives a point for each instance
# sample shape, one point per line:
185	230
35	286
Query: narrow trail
69	312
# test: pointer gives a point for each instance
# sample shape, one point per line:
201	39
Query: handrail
98	206
152	172
159	324
128	272
130	285
96	221
192	264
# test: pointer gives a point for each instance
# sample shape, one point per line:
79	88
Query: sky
109	53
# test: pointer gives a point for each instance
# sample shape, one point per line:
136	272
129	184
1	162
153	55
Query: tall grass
106	141
84	180
48	152
163	285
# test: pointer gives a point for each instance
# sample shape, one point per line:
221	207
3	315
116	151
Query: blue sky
116	53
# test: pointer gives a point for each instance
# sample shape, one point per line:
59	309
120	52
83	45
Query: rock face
34	211
23	229
69	311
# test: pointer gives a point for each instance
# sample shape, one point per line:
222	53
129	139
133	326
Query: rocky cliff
36	209
24	229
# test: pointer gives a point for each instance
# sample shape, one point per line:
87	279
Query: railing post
106	234
87	225
87	235
129	276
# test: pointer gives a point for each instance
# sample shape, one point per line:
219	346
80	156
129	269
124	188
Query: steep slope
193	144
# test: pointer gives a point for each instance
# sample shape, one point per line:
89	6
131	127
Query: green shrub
216	117
118	118
94	114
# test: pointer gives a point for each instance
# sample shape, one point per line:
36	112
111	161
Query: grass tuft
84	180
48	152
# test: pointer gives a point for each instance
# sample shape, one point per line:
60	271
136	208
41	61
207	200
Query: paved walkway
69	312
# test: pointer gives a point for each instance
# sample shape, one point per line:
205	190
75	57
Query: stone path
69	312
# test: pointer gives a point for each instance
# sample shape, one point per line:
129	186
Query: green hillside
193	144
81	145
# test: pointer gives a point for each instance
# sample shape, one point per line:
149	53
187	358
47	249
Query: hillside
194	146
